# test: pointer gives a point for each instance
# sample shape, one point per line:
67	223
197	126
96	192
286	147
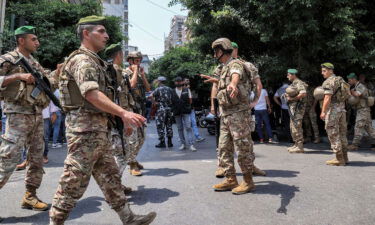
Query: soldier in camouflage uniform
334	115
86	97
163	98
363	121
24	123
124	99
297	106
310	117
140	86
234	106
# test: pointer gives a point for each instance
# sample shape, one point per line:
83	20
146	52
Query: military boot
31	201
352	147
345	156
134	170
258	172
127	190
246	185
317	140
298	148
219	173
291	147
170	144
161	144
140	166
338	161
228	184
127	217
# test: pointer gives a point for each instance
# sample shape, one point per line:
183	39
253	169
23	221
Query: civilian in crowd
56	124
198	137
261	110
49	119
280	100
182	100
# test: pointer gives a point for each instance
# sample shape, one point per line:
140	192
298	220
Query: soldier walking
363	121
139	86
24	121
85	93
334	115
163	98
295	95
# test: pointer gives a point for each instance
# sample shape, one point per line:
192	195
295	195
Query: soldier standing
310	117
163	98
363	121
124	99
85	93
234	105
24	121
334	115
297	106
140	86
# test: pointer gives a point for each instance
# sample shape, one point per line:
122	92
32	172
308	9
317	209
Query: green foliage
56	26
278	34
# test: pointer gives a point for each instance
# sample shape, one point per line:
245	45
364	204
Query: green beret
292	71
24	30
352	76
327	65
92	20
234	45
112	49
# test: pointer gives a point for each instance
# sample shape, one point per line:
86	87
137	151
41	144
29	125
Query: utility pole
2	21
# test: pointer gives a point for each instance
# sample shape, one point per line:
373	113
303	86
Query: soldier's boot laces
31	201
228	184
297	149
352	147
134	170
345	156
219	173
161	144
140	166
258	172
170	144
338	161
129	218
246	185
317	140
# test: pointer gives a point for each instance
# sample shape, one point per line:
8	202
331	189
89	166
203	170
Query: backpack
343	92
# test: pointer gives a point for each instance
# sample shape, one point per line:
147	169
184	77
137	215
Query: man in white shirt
280	100
261	116
49	117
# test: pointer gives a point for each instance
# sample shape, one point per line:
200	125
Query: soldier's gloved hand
27	77
133	119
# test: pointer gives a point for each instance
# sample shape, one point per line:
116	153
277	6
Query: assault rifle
289	111
217	121
41	82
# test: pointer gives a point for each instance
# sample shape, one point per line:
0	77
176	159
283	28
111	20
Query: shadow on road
286	192
163	172
321	152
154	195
360	163
281	173
36	219
85	206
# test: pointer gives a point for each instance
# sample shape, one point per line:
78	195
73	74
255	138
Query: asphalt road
299	189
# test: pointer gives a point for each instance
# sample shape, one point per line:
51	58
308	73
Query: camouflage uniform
297	109
235	134
89	148
137	139
24	122
363	122
125	100
310	117
163	97
335	120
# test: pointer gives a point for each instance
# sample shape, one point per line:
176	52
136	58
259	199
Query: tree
56	26
277	35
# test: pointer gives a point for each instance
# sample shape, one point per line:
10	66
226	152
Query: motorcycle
211	126
200	118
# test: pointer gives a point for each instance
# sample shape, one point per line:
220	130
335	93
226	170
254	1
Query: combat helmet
223	43
134	54
352	100
291	91
319	93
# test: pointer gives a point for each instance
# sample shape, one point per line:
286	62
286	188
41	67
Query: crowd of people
104	106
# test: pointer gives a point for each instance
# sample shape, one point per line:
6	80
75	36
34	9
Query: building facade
178	33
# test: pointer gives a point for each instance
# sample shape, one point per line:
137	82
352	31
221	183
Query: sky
149	24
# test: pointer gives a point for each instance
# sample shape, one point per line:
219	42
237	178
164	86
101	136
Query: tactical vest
70	94
18	91
123	95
